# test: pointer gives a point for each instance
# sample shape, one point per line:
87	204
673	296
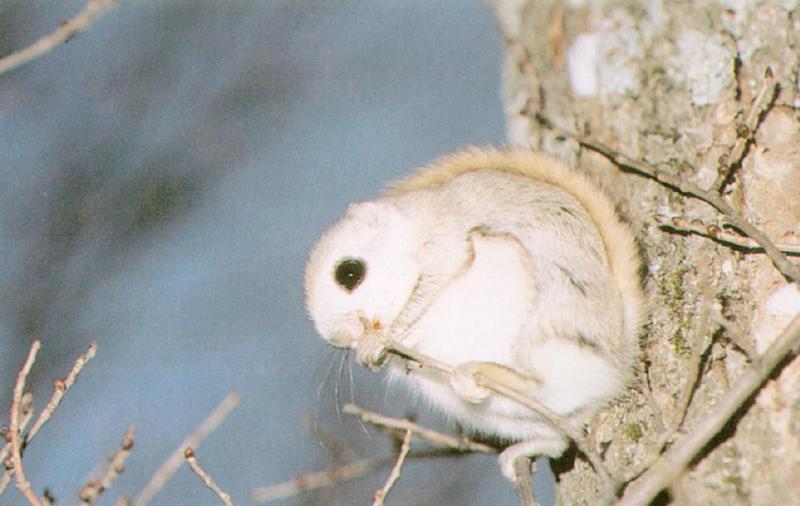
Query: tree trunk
672	84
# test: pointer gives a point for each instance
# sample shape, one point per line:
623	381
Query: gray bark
669	83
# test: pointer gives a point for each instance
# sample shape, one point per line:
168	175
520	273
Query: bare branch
314	481
786	267
23	484
431	436
116	465
191	459
746	132
27	415
173	462
67	30
671	465
523	487
380	495
718	234
735	335
60	388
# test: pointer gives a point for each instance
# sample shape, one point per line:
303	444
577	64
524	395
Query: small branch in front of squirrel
174	461
67	30
22	482
567	429
672	464
60	388
783	264
209	482
546	413
682	225
116	465
746	132
379	495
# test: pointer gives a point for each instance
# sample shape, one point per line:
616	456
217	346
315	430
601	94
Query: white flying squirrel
503	264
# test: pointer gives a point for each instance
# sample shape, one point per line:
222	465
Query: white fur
478	316
493	257
387	241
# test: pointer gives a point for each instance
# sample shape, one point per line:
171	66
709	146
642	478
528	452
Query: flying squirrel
503	264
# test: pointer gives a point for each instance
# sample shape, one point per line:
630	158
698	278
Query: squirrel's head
362	272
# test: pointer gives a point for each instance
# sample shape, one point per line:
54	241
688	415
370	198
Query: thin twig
746	132
609	484
65	31
718	234
702	341
191	459
335	475
549	415
116	465
173	462
523	486
431	436
27	415
786	267
546	413
735	335
672	464
647	391
60	388
23	484
566	428
380	495
317	480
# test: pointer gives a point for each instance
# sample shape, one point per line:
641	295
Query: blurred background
163	177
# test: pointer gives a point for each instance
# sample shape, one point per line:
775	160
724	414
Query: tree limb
783	264
671	465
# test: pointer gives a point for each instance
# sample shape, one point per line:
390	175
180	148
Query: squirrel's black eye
350	273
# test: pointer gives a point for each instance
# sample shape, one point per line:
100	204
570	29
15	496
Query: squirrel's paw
371	351
465	381
528	450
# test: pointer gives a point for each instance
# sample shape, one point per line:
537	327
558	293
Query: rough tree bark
672	84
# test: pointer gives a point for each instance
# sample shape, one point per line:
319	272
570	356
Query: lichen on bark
670	83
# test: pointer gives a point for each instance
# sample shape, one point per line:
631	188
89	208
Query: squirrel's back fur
618	240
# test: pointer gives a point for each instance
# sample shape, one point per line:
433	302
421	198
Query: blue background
163	177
